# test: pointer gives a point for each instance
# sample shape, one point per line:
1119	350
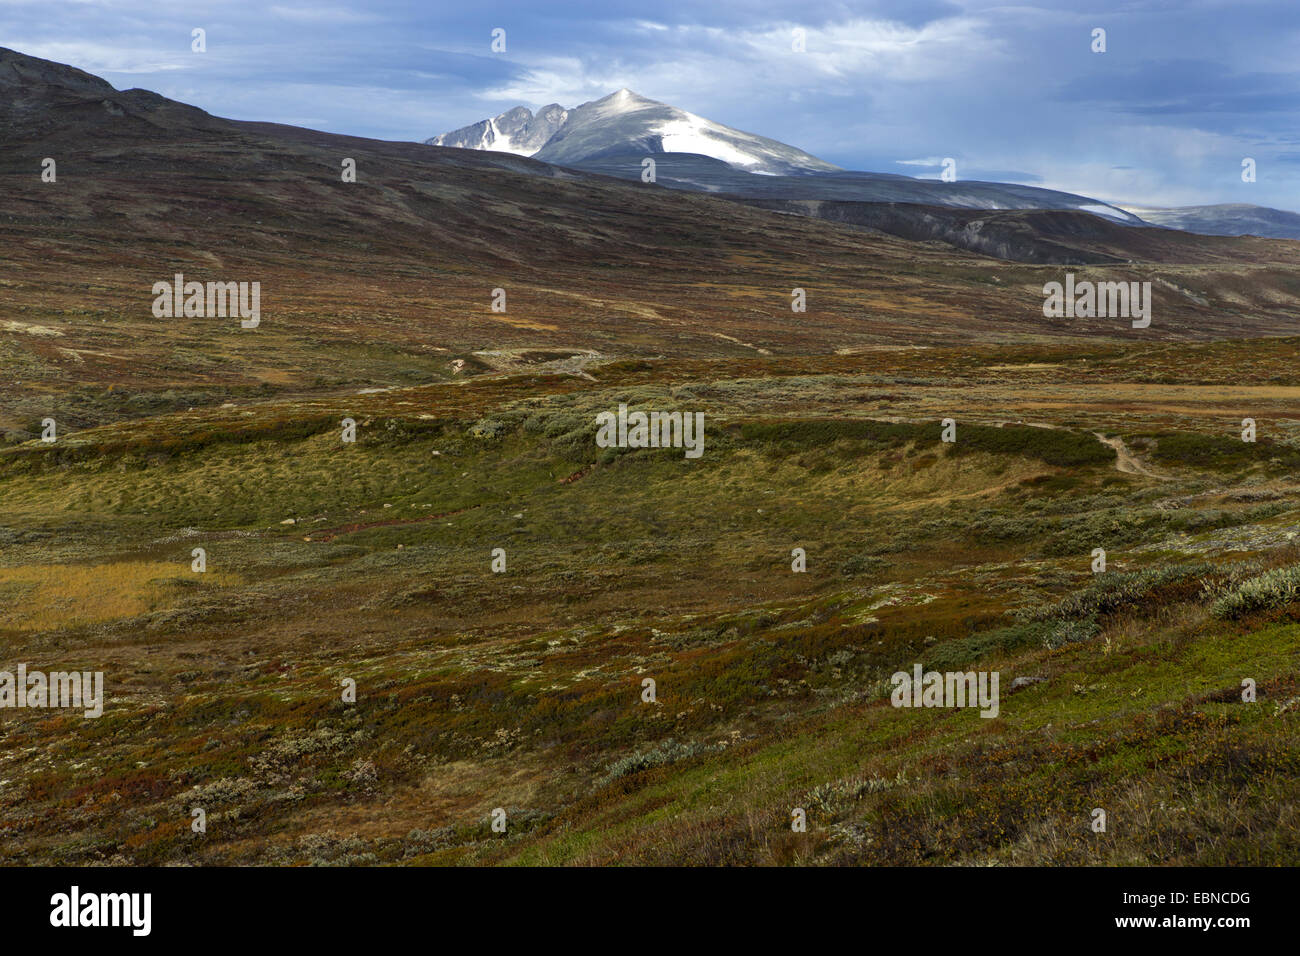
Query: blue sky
1185	90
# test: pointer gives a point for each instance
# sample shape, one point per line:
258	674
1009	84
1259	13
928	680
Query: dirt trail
1125	460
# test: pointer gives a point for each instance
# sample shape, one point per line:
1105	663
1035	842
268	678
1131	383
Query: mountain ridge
613	136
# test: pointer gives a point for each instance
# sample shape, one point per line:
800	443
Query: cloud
328	15
100	58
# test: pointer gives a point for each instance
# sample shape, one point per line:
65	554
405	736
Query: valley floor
523	690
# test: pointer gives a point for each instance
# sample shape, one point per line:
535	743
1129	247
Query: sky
1014	92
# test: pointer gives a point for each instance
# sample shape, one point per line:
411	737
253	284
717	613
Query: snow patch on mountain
1110	212
694	134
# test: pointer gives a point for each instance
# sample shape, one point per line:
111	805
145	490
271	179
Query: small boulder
1020	682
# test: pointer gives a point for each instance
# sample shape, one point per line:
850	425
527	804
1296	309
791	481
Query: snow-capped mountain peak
627	122
516	131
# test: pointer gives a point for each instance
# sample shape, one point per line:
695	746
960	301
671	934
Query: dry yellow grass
44	596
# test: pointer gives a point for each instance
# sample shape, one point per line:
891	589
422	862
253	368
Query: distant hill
392	275
1225	219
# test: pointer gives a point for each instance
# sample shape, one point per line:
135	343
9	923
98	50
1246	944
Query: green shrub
1055	446
862	564
1222	452
1276	588
670	751
488	429
1121	591
954	655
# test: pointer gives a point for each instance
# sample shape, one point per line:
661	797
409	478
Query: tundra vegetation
523	690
